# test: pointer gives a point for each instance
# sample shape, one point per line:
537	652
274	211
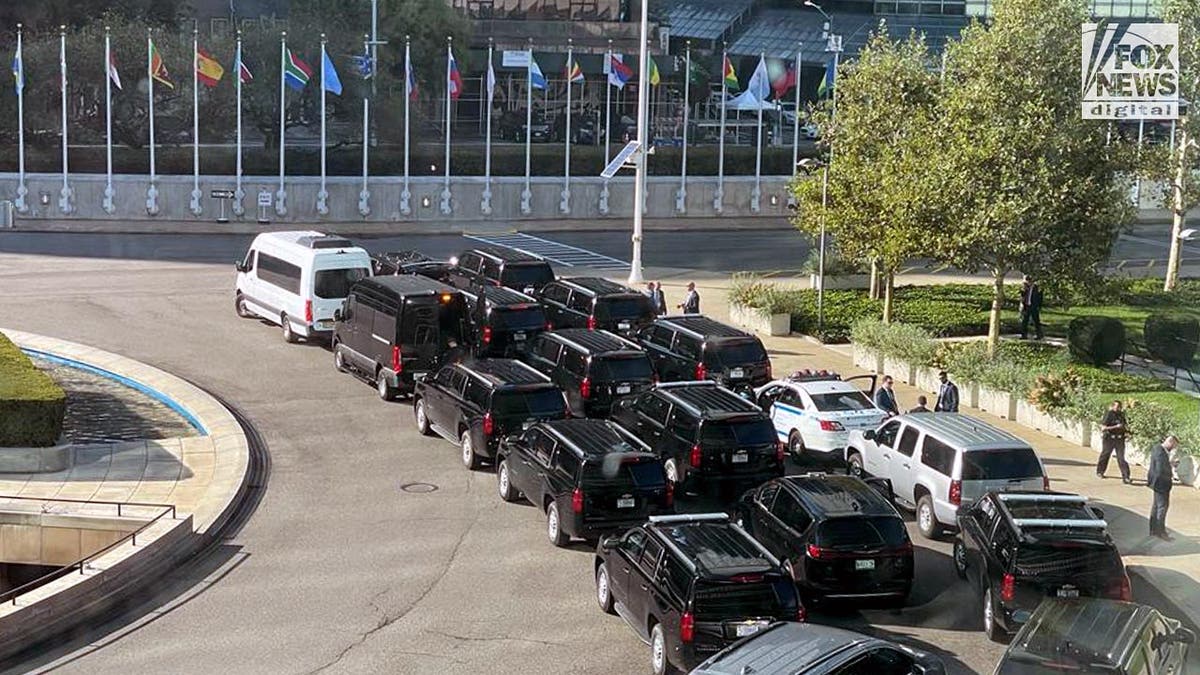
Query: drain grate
419	488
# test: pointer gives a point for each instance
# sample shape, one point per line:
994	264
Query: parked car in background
594	368
691	585
1017	548
596	303
504	322
814	411
838	537
590	477
496	266
477	403
694	347
1093	635
391	331
296	280
411	262
789	648
940	461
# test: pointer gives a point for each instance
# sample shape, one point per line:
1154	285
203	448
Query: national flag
654	77
244	72
112	69
760	85
410	81
536	78
332	83
786	80
574	72
364	65
18	71
296	73
455	83
729	75
697	73
618	72
158	69
826	86
491	82
208	70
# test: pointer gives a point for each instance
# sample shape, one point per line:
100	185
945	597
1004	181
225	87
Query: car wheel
926	519
795	445
854	465
239	306
386	391
960	559
671	470
658	651
990	628
339	358
554	527
603	592
503	484
422	417
289	335
469	458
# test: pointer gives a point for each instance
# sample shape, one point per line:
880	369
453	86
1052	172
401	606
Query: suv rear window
526	274
856	532
735	352
332	284
737	433
1001	464
637	471
528	318
620	368
716	600
530	402
842	401
623	307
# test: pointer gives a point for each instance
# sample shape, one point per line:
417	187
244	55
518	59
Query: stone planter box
999	403
968	394
927	380
36	460
1030	416
1072	431
867	359
757	321
901	371
842	282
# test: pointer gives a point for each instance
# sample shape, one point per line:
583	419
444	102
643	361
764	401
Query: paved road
339	569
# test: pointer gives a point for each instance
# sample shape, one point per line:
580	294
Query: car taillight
780	450
697	456
955	495
1046	483
577	500
308	317
802	614
488	424
1007	588
701	371
487	335
585	388
670	496
814	551
1123	590
687	627
591	323
831	425
549	326
397	362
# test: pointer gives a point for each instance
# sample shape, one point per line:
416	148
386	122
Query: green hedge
32	406
1172	337
1097	340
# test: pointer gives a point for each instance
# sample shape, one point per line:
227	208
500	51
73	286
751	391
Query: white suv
814	411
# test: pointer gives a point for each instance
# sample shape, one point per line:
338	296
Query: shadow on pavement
1132	533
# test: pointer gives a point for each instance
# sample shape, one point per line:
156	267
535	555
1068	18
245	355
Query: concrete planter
999	403
760	322
841	282
968	394
866	358
1072	431
1030	416
901	371
927	380
36	460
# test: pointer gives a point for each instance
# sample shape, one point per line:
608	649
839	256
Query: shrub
750	290
965	360
32	406
835	263
1097	340
1064	395
1007	376
1149	422
868	333
1172	338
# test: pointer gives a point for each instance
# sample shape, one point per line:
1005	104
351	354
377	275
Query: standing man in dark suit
691	303
885	398
1031	307
947	400
659	300
1160	479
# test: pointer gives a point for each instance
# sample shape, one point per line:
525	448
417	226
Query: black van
392	330
593	302
504	321
495	266
410	262
694	347
593	367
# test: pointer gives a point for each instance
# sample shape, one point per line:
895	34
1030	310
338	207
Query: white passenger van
297	280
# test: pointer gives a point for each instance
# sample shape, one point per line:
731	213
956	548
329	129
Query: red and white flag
112	70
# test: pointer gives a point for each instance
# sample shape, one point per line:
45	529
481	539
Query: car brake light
955	495
831	425
1046	483
585	388
308	316
577	500
697	455
397	362
687	627
802	614
1124	590
549	326
487	335
780	451
1007	587
591	323
701	371
814	551
670	496
488	425
768	370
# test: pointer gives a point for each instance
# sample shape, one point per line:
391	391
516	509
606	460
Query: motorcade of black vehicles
476	403
790	648
392	330
706	434
1094	635
594	368
596	303
410	262
694	347
691	585
504	321
839	538
497	266
1016	548
590	477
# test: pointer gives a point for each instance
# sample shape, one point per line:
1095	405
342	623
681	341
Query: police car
814	411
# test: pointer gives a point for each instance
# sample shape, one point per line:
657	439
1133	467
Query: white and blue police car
814	410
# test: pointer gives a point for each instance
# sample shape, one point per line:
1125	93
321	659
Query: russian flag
455	83
618	72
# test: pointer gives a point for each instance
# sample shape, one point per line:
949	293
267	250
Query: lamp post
809	164
639	184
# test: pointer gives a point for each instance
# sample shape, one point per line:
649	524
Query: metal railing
81	564
1137	356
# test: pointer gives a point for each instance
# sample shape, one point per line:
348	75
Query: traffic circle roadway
339	569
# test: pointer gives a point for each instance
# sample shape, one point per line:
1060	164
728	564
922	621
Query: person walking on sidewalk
1113	441
885	398
947	400
1160	479
1031	307
922	405
691	303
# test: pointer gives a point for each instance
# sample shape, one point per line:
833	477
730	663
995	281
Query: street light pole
833	44
639	183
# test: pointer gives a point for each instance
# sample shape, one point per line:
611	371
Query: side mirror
869	434
607	544
337	315
239	265
1185	636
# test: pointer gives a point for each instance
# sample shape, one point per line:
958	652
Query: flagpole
109	207
639	182
238	192
323	193
565	205
681	196
364	196
152	191
22	207
608	59
405	195
449	100
486	205
281	193
756	194
796	117
527	193
195	205
719	194
65	194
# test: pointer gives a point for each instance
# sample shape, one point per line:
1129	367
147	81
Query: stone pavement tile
112	493
164	449
194	445
162	471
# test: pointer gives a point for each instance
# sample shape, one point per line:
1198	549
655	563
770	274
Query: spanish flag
158	69
208	70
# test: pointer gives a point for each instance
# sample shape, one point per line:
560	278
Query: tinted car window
567	462
740	433
887	434
490	269
714	600
629	307
883	661
279	273
537	402
842	401
650	553
384	324
476	393
862	532
789	511
1000	464
581	302
430	321
735	352
548	349
908	442
678	577
337	283
660	335
683	426
530	318
634	471
687	347
575	362
937	456
555	293
526	275
655	408
618	368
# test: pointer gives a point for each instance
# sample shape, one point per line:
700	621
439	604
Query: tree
1023	183
1181	172
885	104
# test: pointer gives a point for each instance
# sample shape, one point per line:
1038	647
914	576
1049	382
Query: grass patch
32	405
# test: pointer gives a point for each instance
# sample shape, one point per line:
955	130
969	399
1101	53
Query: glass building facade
1113	9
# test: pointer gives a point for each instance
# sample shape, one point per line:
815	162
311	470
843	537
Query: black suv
393	330
593	302
504	321
589	476
694	347
410	262
500	267
691	586
808	649
477	403
1090	635
704	433
1016	548
838	537
593	367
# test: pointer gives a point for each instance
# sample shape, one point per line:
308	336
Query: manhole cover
419	487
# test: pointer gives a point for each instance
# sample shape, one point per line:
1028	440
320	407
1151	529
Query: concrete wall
58	539
174	198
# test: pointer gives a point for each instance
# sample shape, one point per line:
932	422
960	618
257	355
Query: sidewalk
1172	568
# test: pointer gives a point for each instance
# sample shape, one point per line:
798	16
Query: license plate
740	458
626	503
864	564
519	337
744	629
623	325
1068	592
623	389
737	372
